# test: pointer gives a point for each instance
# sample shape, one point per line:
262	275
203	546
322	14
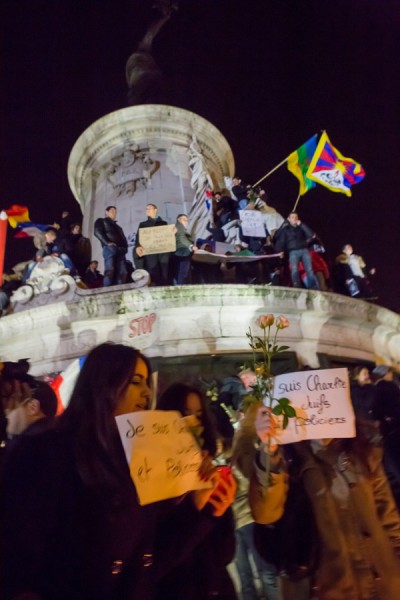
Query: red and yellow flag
17	214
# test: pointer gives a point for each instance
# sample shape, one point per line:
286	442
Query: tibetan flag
17	214
299	161
29	229
336	172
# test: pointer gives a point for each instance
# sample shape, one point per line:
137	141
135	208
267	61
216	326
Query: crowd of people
314	520
287	251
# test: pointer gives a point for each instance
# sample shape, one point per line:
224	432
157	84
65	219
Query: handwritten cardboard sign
252	222
163	455
156	240
322	402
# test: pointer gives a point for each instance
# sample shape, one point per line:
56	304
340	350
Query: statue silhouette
144	78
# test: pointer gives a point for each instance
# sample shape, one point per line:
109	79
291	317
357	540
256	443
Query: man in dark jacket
293	238
185	247
29	413
115	246
157	265
386	408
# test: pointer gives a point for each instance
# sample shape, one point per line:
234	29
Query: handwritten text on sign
156	240
163	455
252	223
322	402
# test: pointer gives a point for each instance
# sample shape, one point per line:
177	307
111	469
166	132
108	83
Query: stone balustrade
198	320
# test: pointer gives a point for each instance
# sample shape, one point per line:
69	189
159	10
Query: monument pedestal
148	154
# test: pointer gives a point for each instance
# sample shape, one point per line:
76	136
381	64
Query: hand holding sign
163	456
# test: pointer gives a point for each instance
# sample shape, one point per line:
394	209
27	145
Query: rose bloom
282	322
265	321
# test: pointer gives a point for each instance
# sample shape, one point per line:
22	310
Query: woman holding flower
333	530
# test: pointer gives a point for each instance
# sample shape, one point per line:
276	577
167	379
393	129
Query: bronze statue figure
144	78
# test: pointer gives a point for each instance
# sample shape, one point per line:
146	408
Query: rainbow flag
299	161
17	214
329	168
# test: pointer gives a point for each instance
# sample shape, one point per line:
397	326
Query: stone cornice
189	320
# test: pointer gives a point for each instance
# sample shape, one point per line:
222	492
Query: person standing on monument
114	245
185	247
157	265
293	237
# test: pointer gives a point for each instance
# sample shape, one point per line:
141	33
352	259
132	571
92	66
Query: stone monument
148	153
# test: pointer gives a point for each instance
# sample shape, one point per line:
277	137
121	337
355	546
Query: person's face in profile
137	394
193	406
363	377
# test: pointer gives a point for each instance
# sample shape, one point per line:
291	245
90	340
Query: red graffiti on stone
142	325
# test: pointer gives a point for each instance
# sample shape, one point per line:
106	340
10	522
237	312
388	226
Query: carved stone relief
130	169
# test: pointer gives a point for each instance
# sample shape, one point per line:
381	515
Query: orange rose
282	322
265	321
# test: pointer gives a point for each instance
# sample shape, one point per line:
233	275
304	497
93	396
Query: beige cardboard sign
156	240
163	455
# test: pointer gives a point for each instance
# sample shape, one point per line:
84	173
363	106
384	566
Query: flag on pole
3	236
329	168
63	385
17	214
299	161
29	229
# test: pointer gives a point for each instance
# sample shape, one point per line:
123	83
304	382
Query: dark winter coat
386	408
356	519
289	237
108	231
63	540
363	398
203	575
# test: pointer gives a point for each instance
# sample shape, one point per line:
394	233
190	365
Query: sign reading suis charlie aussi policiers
322	402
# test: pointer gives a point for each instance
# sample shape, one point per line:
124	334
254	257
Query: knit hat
380	371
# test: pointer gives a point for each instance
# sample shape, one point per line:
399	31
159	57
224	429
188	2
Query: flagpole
3	236
296	203
270	172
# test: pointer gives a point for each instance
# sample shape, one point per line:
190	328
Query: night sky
269	74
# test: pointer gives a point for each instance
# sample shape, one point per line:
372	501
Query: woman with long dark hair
329	502
72	525
189	401
203	575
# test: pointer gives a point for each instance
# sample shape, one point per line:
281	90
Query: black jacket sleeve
99	231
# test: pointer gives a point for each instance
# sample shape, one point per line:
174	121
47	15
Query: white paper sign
252	222
162	454
322	402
